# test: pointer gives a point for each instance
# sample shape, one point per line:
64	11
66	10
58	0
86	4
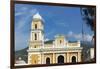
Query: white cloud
19	13
24	11
46	39
62	23
85	37
49	33
21	39
33	11
78	36
23	21
24	8
88	37
70	33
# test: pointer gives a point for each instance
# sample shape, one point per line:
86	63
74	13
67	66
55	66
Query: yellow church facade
58	50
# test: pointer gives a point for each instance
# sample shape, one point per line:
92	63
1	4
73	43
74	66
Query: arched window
35	26
60	59
73	59
48	60
35	36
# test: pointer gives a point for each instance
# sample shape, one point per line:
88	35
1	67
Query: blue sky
57	20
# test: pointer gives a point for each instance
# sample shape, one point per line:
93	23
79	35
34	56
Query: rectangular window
35	26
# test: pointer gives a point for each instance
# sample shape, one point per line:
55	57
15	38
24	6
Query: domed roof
37	16
20	61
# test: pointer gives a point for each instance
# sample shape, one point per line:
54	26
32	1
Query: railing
35	43
48	45
55	49
73	44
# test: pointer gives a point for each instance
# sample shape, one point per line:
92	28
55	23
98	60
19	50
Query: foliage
22	53
88	15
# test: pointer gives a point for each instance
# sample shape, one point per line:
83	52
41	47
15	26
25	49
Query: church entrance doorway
73	59
60	59
48	60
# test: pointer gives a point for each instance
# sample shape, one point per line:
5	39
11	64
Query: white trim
56	51
53	49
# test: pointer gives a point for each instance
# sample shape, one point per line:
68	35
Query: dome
20	61
37	16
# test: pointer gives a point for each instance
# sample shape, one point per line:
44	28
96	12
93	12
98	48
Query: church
56	51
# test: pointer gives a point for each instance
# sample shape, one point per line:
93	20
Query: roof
37	16
20	61
72	41
48	42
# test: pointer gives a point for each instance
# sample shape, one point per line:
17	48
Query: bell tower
36	41
37	32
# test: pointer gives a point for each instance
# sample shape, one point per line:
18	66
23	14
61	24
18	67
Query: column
79	57
42	58
68	60
28	58
54	58
65	56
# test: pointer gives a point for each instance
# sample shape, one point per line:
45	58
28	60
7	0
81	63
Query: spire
37	16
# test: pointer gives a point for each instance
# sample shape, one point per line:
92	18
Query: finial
37	16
